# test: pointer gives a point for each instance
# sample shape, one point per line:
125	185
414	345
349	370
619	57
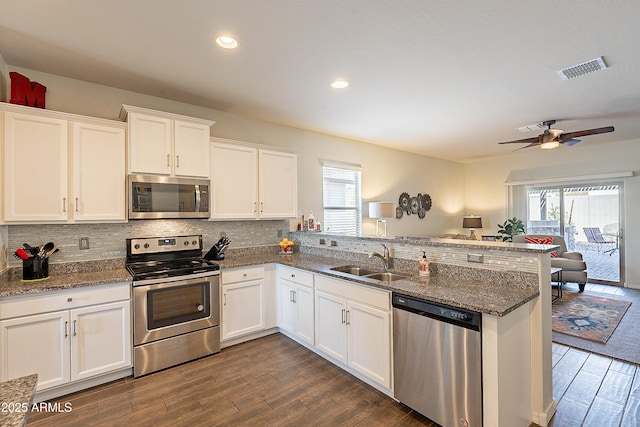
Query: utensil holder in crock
35	269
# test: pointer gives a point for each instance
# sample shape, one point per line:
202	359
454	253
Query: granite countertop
490	297
495	297
16	398
13	286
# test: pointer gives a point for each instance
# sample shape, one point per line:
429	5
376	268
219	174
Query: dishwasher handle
445	313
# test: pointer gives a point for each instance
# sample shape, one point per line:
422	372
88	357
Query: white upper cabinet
252	183
234	180
278	184
62	167
98	173
167	144
35	168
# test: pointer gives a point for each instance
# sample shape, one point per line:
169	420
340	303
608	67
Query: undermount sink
353	270
385	277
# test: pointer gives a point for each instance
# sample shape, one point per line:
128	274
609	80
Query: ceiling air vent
582	69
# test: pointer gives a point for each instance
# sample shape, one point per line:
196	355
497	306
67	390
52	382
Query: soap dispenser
423	268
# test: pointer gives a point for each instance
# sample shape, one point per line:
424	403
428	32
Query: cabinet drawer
300	277
242	274
25	305
354	292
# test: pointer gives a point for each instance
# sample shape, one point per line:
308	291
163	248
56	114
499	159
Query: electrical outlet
334	243
84	243
322	242
475	258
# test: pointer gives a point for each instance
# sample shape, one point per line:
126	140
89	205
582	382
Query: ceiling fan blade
533	144
533	141
570	142
577	134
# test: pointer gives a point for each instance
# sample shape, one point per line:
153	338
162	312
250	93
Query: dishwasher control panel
466	318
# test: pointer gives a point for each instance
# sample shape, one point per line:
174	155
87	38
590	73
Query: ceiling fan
552	138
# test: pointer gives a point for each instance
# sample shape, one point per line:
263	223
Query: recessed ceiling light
339	84
227	42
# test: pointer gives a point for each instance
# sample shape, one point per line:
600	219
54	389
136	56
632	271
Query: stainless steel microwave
157	197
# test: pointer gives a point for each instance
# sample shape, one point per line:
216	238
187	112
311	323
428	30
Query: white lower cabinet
296	303
242	301
66	345
353	326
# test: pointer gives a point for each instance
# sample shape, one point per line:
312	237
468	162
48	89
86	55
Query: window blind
341	200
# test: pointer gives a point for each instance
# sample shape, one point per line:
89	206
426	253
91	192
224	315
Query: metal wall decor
418	205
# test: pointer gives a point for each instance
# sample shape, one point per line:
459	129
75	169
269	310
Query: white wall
485	192
385	173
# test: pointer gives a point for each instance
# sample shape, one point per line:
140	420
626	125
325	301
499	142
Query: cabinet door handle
168	160
66	329
75	326
344	320
224	299
293	275
76	204
348	317
178	161
261	207
64	204
255	207
294	296
290	296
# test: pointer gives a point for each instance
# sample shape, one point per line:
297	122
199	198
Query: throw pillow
546	240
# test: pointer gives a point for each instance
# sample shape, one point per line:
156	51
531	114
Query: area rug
588	317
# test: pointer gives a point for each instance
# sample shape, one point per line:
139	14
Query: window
341	200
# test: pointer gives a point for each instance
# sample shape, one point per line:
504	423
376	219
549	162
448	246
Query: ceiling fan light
549	145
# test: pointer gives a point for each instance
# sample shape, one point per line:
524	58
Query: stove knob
194	243
136	246
200	307
146	246
186	243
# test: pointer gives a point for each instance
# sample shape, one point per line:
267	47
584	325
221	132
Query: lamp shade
472	222
382	210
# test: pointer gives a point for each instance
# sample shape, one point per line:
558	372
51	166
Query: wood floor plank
569	413
572	361
615	387
631	413
604	413
584	387
597	364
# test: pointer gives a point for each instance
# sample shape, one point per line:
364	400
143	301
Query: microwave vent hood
164	197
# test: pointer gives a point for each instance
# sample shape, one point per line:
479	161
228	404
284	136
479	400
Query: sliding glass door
589	219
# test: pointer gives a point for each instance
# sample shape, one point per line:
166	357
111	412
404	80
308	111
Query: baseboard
544	418
63	390
248	337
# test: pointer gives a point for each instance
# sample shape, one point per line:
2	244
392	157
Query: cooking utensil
46	248
51	252
30	249
20	253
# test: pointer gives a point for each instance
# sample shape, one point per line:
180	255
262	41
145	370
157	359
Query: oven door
168	309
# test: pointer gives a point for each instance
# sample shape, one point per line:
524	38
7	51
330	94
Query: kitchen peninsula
509	288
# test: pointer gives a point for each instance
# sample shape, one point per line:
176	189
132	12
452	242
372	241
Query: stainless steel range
176	309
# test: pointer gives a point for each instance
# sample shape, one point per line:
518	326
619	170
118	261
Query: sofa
574	269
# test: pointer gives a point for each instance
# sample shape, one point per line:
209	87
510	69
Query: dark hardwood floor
275	381
270	381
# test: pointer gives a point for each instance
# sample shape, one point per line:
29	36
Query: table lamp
472	222
380	211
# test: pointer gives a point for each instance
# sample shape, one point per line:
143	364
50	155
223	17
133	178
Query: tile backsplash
107	241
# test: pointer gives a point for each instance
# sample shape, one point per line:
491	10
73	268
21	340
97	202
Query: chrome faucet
386	259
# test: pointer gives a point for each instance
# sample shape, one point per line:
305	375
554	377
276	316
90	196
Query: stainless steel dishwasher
437	360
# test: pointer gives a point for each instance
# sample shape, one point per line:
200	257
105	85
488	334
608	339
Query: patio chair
594	235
